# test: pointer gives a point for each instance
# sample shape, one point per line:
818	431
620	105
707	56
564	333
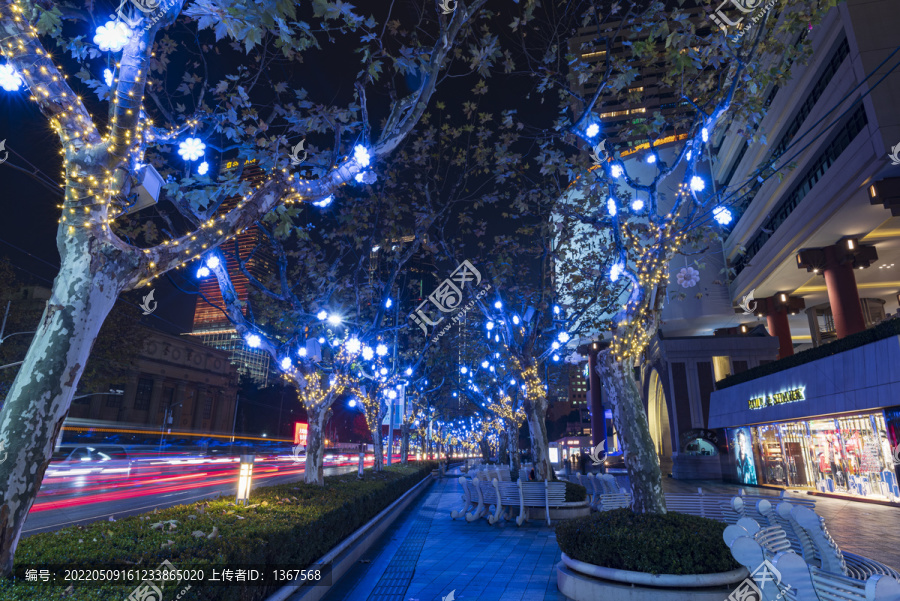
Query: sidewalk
426	554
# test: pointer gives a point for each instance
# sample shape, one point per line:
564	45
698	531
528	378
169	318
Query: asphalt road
67	501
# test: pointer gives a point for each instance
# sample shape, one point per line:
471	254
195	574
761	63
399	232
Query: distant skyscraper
210	323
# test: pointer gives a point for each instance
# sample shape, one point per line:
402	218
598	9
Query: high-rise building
643	97
211	325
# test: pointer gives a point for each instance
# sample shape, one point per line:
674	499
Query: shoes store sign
791	395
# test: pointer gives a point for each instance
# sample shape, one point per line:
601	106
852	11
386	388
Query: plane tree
219	76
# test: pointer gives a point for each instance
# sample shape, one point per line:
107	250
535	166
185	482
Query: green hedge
673	543
290	525
575	492
886	329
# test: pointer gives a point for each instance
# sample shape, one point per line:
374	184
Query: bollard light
245	478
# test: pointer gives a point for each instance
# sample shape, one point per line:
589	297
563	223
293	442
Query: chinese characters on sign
779	398
448	298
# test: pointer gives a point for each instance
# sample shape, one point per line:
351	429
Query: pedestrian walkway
425	555
428	555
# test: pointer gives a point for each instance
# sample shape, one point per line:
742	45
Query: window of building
207	406
114	400
142	395
721	367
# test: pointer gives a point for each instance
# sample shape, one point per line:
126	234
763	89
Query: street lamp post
167	419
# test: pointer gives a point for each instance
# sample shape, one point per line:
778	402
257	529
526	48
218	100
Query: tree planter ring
659	580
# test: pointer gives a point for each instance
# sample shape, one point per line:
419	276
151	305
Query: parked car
81	460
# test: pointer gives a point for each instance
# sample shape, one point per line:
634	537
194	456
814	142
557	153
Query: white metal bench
604	492
786	575
719	506
469	497
503	496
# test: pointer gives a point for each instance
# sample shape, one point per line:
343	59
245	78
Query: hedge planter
582	581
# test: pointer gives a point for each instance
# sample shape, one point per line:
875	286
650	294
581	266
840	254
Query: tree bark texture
536	415
315	447
404	443
83	293
630	419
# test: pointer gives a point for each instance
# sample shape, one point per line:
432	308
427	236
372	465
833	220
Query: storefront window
826	450
862	436
742	452
773	467
797	457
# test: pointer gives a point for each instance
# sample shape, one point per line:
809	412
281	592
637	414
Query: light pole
237	399
167	419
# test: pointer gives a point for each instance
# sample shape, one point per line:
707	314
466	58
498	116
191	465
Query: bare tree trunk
485	447
630	419
315	446
503	448
40	396
536	414
378	448
513	440
404	443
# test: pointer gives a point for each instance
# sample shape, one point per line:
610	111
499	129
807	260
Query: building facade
831	424
175	377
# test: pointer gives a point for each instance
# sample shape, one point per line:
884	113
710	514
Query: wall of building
859	379
195	383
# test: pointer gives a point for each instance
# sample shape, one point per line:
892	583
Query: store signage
300	432
779	398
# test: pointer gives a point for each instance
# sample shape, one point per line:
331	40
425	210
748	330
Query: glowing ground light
381	350
112	37
203	271
697	183
212	262
10	80
615	271
592	130
611	207
203	168
616	170
637	205
353	345
191	149
253	341
361	154
368	353
108	77
324	202
286	363
722	215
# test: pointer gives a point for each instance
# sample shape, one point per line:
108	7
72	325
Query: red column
598	415
843	296
781	329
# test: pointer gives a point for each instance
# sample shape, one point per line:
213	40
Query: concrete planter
582	581
578	509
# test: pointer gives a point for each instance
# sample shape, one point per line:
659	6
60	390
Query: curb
343	557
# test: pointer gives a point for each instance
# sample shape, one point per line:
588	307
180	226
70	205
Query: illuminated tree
160	92
641	203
